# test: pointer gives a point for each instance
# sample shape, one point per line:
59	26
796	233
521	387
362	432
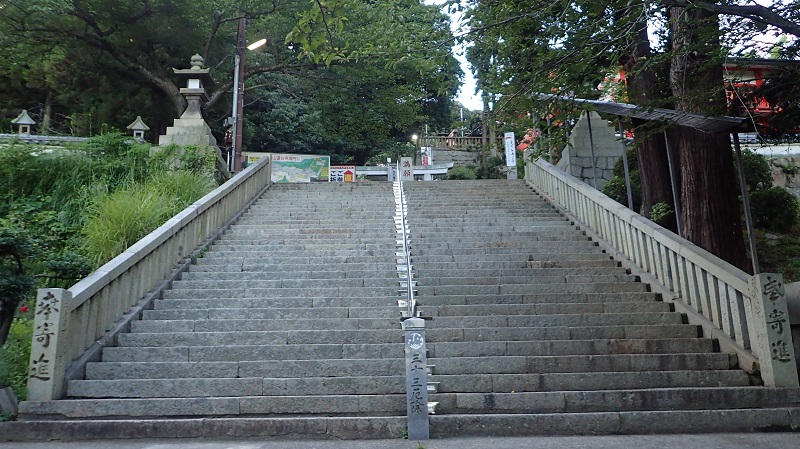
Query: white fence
68	322
747	314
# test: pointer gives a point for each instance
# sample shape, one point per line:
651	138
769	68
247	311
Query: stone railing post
48	364
416	379
771	338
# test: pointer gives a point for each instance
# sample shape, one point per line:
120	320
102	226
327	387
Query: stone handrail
70	322
746	314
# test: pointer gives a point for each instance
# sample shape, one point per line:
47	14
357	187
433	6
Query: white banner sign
511	150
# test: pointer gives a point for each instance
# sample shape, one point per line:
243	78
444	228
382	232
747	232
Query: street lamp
415	139
236	161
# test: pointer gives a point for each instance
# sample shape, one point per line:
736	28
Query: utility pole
238	99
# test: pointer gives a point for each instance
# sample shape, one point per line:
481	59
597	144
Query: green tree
535	46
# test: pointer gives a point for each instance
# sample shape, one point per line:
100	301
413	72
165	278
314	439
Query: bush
461	173
15	355
756	170
774	209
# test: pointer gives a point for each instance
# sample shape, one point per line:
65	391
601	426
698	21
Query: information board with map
300	168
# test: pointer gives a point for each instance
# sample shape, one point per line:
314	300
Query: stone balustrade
747	314
71	326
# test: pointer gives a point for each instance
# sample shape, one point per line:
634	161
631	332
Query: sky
466	95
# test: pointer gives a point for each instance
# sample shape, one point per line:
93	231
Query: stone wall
459	157
576	158
786	173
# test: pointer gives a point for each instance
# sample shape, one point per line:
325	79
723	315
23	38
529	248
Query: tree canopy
351	74
669	53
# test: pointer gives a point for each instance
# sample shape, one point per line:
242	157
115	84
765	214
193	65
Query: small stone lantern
138	127
25	122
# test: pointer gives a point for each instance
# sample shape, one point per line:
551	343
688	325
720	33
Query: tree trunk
709	198
651	149
5	324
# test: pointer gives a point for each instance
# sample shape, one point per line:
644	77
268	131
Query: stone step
277	258
541	321
529	288
466	279
593	381
215	308
247	369
555	347
238	353
291	337
578	364
520	270
653	399
319	250
362	319
573	260
444	311
276	284
442	426
318	292
545	298
343	405
200	388
564	333
333	276
485	257
240	265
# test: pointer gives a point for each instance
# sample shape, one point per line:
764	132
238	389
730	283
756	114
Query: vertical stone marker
771	337
47	365
416	379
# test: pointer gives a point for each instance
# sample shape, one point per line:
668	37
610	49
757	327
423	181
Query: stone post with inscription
416	379
770	332
48	365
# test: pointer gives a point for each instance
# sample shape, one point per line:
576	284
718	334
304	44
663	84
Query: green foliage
778	254
615	188
15	283
757	172
660	211
15	356
774	209
462	172
490	169
121	218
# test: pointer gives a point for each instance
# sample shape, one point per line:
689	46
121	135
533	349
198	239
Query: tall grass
121	218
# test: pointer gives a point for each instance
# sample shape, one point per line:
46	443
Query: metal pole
625	163
238	80
591	146
748	217
549	143
676	202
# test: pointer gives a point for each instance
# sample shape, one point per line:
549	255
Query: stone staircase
289	325
293	313
535	330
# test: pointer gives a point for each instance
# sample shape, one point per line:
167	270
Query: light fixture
257	44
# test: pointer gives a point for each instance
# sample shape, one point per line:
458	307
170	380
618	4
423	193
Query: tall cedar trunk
651	149
709	198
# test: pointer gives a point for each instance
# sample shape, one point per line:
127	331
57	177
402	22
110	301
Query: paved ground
710	441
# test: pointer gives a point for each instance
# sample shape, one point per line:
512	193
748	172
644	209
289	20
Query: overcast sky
466	95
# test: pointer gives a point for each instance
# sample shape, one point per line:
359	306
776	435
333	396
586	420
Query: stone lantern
190	128
194	92
25	122
138	128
